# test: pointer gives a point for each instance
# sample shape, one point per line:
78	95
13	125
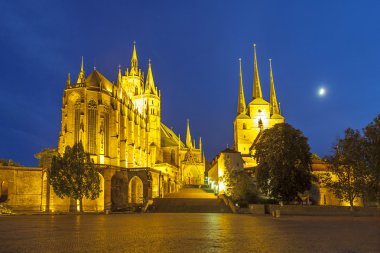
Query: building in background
251	120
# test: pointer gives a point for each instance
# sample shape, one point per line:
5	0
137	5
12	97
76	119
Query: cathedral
120	125
251	120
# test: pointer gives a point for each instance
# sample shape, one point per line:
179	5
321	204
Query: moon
322	92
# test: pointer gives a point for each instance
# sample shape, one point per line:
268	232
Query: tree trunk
81	205
351	204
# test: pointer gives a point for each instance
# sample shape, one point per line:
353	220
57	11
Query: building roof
319	165
258	101
95	79
243	116
169	138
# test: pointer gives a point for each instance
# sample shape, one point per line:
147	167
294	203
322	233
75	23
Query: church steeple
275	109
68	81
119	76
188	135
134	61
241	99
256	91
81	76
150	87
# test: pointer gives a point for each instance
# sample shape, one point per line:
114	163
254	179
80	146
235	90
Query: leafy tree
9	162
284	162
239	185
349	172
45	157
74	175
372	153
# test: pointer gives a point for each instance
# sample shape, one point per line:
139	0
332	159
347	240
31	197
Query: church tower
259	115
146	99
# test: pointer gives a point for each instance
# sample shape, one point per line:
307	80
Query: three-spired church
257	116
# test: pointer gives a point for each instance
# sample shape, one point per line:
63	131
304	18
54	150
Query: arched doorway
119	189
135	191
3	191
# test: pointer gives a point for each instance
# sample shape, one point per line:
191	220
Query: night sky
194	47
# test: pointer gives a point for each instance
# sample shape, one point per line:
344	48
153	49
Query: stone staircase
189	200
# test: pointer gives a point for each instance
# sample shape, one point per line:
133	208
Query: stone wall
25	187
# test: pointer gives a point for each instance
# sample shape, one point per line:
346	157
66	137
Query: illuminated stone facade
257	116
120	126
226	160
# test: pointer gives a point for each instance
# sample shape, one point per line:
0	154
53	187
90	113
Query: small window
244	126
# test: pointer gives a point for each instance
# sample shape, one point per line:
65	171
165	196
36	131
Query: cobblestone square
162	232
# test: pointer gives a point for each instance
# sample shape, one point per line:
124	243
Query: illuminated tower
259	115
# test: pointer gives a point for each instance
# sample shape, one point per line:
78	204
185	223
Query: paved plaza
163	232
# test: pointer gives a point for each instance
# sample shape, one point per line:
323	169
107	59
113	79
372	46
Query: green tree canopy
372	152
284	162
74	175
349	172
9	162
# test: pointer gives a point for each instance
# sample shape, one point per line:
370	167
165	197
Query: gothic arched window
92	120
77	121
106	131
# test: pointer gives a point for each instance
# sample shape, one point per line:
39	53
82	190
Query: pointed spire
200	144
241	99
81	76
68	81
119	76
275	109
188	135
134	61
150	88
256	92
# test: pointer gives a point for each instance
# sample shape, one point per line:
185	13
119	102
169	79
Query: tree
372	155
239	185
349	172
284	162
74	175
9	162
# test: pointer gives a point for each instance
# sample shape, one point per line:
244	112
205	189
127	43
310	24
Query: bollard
278	213
107	211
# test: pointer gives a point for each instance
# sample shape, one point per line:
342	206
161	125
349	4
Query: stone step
185	205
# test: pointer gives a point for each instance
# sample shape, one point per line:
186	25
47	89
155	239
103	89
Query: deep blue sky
194	47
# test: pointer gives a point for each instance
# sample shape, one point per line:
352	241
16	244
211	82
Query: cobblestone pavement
163	232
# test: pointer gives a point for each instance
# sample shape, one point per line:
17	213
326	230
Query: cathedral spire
134	61
119	76
68	81
150	88
275	109
241	99
188	135
81	76
256	91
